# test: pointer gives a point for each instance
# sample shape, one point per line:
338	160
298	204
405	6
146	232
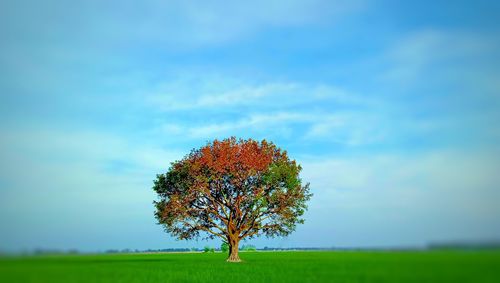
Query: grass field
419	267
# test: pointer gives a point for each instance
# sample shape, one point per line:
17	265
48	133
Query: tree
249	248
206	249
231	189
224	247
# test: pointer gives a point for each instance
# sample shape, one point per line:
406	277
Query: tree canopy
232	189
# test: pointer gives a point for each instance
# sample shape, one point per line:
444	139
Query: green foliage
383	267
224	247
206	249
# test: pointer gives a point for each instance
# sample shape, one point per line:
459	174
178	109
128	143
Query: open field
435	266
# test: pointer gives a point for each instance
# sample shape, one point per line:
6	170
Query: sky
391	107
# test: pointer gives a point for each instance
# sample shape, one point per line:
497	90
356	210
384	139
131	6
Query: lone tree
231	189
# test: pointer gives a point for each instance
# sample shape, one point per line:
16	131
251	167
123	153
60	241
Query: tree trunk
233	250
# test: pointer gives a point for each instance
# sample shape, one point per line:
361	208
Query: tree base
233	259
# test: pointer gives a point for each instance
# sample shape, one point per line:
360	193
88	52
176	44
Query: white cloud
353	127
207	92
318	111
77	161
413	199
218	94
307	111
76	188
80	146
275	121
347	128
435	52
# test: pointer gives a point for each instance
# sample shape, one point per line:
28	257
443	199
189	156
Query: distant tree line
248	247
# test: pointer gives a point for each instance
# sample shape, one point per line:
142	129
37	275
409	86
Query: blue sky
391	107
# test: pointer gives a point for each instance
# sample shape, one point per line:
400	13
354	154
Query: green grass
435	266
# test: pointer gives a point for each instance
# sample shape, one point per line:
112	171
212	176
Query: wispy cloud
264	122
306	111
202	92
441	53
203	22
